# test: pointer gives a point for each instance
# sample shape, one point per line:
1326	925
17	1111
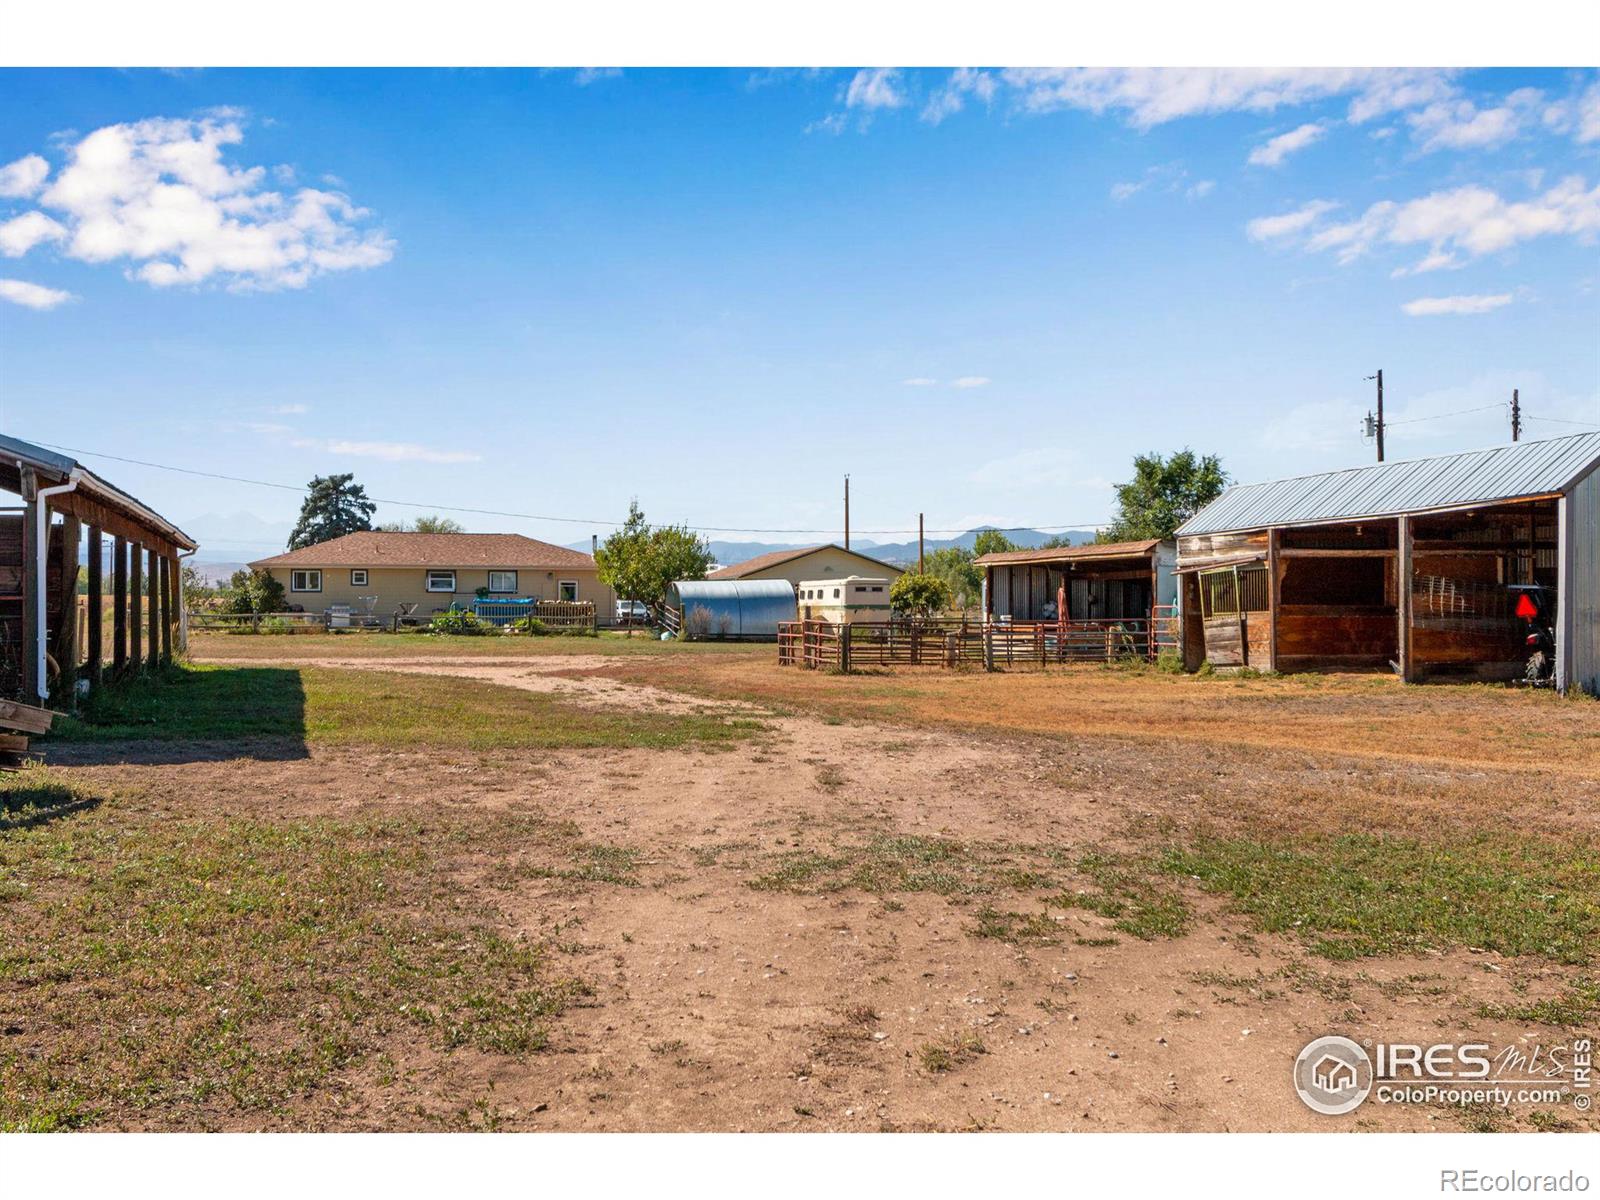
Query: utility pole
1375	427
919	545
847	512
1516	416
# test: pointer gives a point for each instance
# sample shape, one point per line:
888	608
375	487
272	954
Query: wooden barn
1402	565
65	510
1102	581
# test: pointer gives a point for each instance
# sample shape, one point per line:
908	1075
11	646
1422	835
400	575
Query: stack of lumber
17	721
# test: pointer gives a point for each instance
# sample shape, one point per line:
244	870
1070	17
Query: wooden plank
166	609
32	618
28	717
1274	583
16	743
153	602
66	638
119	605
93	512
135	606
1402	607
95	588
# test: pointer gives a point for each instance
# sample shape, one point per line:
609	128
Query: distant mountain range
897	553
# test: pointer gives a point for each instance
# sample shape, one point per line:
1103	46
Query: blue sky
979	292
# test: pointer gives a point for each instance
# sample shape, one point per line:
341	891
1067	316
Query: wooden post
66	640
1238	605
180	636
95	588
988	645
1273	567
135	606
31	616
1402	600
166	610
153	651
119	605
844	647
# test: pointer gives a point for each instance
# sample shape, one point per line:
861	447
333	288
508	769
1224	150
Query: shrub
276	625
919	595
252	592
697	622
532	626
1169	662
461	622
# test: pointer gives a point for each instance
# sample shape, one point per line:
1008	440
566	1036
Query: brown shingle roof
373	548
1068	553
776	558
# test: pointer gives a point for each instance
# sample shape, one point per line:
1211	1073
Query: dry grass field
407	883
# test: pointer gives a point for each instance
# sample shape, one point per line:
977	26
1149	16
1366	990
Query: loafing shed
1403	564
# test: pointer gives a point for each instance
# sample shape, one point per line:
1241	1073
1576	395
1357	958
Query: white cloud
1201	189
1268	229
21	234
971	381
588	75
1468	222
951	99
832	123
1439	306
24	177
919	381
1127	190
1459	124
1439	260
158	195
1275	150
389	451
1579	116
1151	96
873	88
1170	178
289	410
32	295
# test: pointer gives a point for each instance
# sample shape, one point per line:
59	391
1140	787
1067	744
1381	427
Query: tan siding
394	586
826	563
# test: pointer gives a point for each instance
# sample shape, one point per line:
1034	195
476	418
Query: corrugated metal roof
1068	553
1387	489
62	466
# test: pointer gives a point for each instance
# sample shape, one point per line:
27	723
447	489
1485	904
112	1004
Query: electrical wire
494	512
1441	416
1561	421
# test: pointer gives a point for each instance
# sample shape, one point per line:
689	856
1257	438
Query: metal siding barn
735	608
1412	565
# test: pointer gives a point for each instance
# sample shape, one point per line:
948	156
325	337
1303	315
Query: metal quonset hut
1402	564
732	608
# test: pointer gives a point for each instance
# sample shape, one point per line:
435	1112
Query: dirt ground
719	1005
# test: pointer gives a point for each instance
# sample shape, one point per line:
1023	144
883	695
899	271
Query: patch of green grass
174	972
1027	928
33	792
887	863
1127	892
1364	894
1574	1008
375	708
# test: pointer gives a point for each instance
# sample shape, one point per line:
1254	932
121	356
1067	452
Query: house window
358	578
305	581
441	581
502	581
567	589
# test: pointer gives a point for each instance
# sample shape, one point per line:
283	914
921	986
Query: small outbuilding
800	563
1409	565
748	609
853	600
1104	581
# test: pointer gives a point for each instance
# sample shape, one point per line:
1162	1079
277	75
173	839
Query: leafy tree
920	595
961	575
252	592
639	561
992	541
433	524
1057	541
334	506
196	589
1163	494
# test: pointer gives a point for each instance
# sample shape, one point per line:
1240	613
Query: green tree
638	561
431	524
919	595
961	575
1163	494
992	541
334	506
252	592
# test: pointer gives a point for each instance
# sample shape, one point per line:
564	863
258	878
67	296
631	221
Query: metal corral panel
742	608
1417	485
1578	592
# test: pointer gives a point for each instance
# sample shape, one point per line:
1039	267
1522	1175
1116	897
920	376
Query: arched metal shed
733	608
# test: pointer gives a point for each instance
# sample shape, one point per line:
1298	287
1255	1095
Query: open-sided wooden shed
1401	563
43	654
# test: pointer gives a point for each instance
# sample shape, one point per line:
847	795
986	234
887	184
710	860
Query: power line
1561	421
495	512
1441	416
